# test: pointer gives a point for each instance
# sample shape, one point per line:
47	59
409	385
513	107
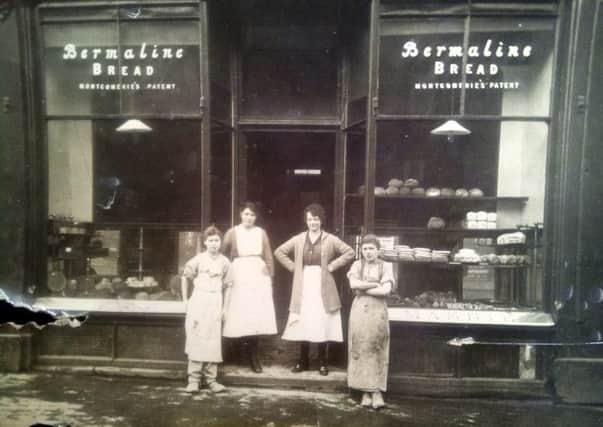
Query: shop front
439	126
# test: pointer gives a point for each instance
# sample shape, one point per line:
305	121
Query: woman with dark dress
314	310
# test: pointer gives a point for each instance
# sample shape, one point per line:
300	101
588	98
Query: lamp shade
133	126
451	128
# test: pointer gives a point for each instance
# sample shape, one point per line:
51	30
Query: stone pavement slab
90	400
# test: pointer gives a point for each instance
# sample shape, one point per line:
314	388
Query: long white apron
251	307
313	323
203	323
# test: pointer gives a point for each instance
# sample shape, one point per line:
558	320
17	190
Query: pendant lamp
451	129
134	126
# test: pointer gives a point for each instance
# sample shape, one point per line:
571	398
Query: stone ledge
579	380
505	388
15	352
280	377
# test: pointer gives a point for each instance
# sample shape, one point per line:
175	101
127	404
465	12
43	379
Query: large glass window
122	88
410	57
461	210
132	66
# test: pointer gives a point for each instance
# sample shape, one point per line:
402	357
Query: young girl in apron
209	272
372	280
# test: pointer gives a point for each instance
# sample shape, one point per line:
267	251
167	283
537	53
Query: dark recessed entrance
284	172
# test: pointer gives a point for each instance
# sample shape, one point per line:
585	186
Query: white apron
251	307
313	323
203	322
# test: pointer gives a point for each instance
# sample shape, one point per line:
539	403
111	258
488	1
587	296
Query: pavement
92	400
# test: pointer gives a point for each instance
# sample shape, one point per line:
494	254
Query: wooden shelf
518	199
454	264
461	232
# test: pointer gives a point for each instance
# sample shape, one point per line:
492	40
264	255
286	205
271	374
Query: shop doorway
284	172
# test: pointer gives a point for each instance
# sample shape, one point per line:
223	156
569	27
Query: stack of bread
388	255
405	253
503	259
440	256
517	238
466	255
422	254
481	220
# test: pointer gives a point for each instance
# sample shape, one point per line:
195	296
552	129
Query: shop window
124	206
124	209
465	214
126	67
152	177
174	85
409	57
480	65
517	59
63	95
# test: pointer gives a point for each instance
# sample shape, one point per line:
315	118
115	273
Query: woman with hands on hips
314	311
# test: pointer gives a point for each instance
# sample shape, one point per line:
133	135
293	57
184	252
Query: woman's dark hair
253	207
315	209
212	230
370	239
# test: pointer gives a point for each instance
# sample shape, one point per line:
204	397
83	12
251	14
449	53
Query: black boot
303	362
322	359
254	359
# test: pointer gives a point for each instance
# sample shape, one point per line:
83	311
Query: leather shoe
256	366
323	370
299	367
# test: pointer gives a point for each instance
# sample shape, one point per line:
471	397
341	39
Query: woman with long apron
372	280
314	311
250	310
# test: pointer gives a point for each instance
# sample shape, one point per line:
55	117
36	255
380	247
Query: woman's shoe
300	366
378	402
323	370
366	401
192	388
216	387
256	366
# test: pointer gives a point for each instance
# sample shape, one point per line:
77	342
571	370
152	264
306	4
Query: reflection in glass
158	173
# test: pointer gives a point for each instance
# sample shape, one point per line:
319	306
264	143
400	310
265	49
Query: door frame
239	161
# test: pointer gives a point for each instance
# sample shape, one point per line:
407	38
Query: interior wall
70	169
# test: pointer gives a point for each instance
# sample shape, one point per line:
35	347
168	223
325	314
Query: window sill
97	305
535	319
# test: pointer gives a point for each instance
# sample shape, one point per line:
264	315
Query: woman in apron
314	311
250	309
372	280
209	273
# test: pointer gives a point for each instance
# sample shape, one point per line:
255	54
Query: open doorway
284	172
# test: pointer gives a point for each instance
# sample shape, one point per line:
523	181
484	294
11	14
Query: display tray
97	305
498	317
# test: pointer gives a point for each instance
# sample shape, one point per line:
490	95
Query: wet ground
88	400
